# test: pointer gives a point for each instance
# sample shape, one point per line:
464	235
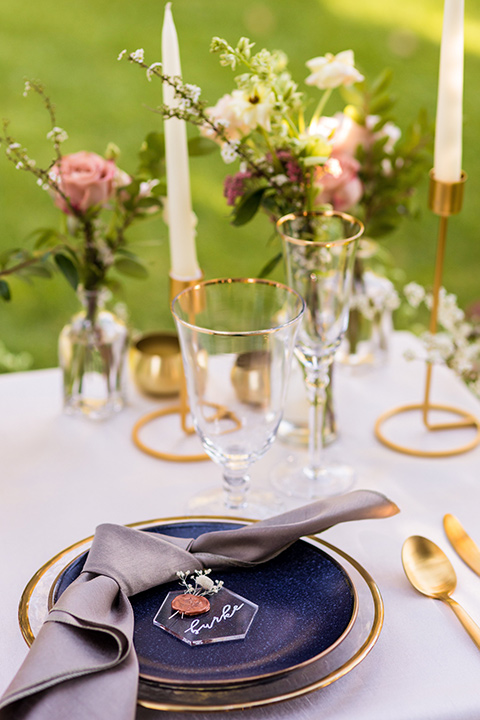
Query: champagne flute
319	251
237	338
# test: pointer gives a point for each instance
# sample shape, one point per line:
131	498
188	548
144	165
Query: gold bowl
156	364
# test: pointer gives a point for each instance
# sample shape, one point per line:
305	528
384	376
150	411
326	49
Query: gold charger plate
343	658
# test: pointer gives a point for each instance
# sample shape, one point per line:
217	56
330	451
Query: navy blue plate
307	605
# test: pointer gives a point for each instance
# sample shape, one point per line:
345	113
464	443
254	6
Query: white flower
190	97
414	293
57	134
242	111
138	55
393	134
146	187
121	178
150	70
254	108
229	152
205	582
122	54
193	91
331	71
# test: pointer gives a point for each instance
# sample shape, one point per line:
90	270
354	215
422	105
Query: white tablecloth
61	476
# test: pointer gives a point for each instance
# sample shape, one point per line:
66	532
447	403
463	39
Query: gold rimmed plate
320	614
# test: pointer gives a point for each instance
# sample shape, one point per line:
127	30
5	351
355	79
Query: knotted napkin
83	665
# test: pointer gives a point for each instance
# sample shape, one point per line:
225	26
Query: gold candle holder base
444	199
155	363
176	286
468	421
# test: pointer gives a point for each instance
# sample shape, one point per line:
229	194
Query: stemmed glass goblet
237	338
319	251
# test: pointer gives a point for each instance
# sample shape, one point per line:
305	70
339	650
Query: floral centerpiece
98	203
292	157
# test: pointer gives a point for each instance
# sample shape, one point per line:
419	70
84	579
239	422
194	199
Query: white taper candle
183	255
448	132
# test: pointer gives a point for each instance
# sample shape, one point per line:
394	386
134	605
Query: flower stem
321	106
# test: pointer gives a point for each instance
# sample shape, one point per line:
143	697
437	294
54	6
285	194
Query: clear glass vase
92	355
367	340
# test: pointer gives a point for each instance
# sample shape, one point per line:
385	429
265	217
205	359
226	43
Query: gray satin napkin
83	666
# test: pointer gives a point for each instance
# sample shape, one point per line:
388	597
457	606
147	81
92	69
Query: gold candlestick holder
445	199
181	409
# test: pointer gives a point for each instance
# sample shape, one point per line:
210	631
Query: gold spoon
431	573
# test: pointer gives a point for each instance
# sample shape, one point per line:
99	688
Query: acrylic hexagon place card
228	618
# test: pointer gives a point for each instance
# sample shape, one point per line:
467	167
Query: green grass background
72	49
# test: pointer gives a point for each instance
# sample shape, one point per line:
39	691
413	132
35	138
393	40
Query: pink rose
86	179
349	135
339	182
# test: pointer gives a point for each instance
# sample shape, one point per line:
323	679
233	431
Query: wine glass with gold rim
237	338
319	252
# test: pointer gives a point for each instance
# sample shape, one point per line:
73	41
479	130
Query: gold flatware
431	573
462	543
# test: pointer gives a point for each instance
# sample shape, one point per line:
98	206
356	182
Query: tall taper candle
448	132
183	255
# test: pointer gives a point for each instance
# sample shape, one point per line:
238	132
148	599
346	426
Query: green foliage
5	290
68	269
390	171
248	206
132	268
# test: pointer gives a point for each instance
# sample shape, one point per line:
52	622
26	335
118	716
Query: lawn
100	100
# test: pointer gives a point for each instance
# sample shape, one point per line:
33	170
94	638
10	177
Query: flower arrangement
202	583
98	202
294	159
457	341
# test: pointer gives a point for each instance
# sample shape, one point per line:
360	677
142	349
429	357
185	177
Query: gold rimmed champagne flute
226	327
319	251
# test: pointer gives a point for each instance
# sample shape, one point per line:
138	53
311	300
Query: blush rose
340	184
87	179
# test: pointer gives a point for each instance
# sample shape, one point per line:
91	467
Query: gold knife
462	543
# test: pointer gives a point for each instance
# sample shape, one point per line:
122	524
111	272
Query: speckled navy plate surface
307	605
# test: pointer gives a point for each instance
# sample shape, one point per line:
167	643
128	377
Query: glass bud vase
92	355
367	340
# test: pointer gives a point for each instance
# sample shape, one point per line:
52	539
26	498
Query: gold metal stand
182	409
445	199
219	411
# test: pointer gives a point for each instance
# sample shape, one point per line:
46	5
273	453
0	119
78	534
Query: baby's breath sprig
202	583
